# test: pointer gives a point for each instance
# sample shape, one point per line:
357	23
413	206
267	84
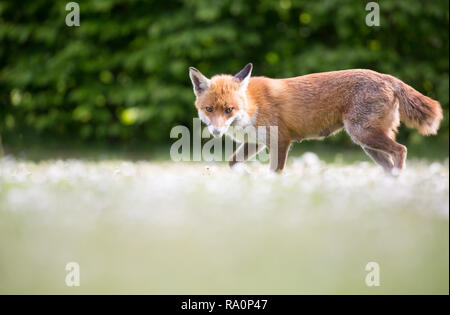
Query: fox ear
244	75
199	81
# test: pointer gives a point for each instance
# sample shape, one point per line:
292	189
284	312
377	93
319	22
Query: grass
33	149
165	227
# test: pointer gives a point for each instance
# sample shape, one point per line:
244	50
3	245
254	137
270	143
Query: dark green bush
122	74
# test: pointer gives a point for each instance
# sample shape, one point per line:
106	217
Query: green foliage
122	74
2	152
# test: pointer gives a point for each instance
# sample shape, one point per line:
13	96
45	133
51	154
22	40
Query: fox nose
216	132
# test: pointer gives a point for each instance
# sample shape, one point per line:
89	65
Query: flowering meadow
165	227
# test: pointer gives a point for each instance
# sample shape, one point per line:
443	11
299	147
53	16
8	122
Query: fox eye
209	109
228	110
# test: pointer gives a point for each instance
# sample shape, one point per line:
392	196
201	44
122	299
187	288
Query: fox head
221	101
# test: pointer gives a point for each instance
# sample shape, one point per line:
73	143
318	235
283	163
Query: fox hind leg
378	140
381	158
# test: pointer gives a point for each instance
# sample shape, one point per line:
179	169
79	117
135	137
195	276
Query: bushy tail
417	110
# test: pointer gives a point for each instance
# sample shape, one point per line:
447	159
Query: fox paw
240	168
395	172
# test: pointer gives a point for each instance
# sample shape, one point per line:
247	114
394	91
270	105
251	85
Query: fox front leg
244	152
278	155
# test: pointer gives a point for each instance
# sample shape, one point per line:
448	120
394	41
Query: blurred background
85	116
119	82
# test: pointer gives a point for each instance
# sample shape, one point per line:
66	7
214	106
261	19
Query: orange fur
369	105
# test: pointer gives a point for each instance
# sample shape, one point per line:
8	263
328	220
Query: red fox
367	104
